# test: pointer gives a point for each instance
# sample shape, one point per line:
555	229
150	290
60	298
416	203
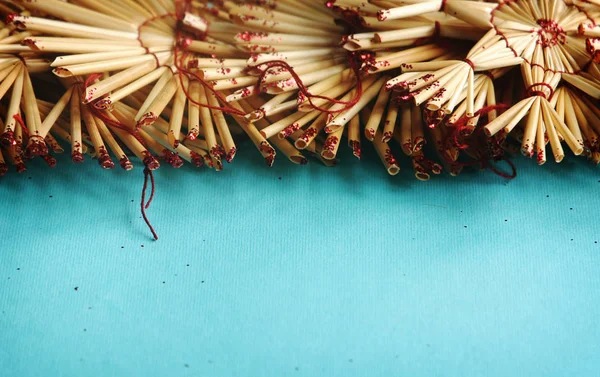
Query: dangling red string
182	6
461	124
145	205
147	172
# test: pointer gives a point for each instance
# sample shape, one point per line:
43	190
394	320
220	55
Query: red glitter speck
8	139
192	134
550	33
356	151
230	155
37	147
172	158
270	159
103	104
10	18
51	161
289	130
248	36
309	134
266	148
104	159
125	163
330	143
197	160
217	151
21	168
151	162
77	157
389	157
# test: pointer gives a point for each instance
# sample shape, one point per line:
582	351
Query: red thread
462	121
139	34
469	62
484	163
530	92
309	96
107	120
488	74
181	42
461	124
503	36
149	161
182	70
481	157
144	206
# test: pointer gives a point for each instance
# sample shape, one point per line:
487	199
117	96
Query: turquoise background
300	271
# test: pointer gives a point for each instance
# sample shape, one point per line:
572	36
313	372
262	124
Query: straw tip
125	164
230	155
393	170
196	159
422	176
151	162
382	15
77	157
7	139
36	147
62	72
21	168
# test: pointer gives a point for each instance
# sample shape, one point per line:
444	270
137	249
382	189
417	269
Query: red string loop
530	92
148	161
304	90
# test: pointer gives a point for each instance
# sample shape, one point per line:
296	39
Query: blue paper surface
300	271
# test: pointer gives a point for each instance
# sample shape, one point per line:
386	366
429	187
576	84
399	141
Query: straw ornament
428	85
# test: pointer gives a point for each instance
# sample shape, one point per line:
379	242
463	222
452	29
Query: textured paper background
344	272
